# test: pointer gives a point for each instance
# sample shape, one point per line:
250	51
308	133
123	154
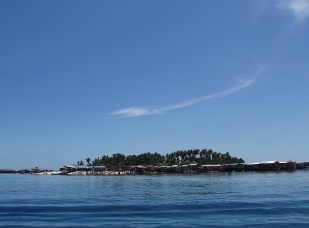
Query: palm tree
88	161
118	160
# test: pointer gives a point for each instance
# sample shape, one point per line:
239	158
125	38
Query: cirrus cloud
299	9
243	82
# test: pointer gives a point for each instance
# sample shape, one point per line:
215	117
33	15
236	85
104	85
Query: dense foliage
182	157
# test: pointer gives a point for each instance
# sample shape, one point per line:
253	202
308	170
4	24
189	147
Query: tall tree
88	161
118	160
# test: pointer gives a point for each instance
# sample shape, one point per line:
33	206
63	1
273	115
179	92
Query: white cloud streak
298	8
143	111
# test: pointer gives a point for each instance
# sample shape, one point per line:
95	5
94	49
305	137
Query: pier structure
190	168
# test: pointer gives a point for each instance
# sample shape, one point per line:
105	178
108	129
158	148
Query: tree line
180	157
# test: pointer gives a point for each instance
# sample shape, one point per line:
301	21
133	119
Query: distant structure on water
180	169
191	168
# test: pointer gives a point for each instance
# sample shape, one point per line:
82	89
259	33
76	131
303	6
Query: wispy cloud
299	9
243	82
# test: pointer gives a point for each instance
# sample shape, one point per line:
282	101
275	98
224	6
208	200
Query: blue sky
90	78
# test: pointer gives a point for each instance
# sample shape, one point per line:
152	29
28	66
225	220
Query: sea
238	199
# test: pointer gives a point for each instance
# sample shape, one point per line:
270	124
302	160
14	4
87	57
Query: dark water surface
216	199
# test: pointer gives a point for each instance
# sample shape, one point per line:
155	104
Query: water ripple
239	200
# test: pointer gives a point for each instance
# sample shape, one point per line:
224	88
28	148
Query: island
181	162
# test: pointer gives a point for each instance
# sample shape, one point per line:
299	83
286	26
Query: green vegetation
182	157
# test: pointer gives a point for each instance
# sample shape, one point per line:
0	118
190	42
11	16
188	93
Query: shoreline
157	170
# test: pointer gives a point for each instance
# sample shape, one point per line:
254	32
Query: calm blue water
219	199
